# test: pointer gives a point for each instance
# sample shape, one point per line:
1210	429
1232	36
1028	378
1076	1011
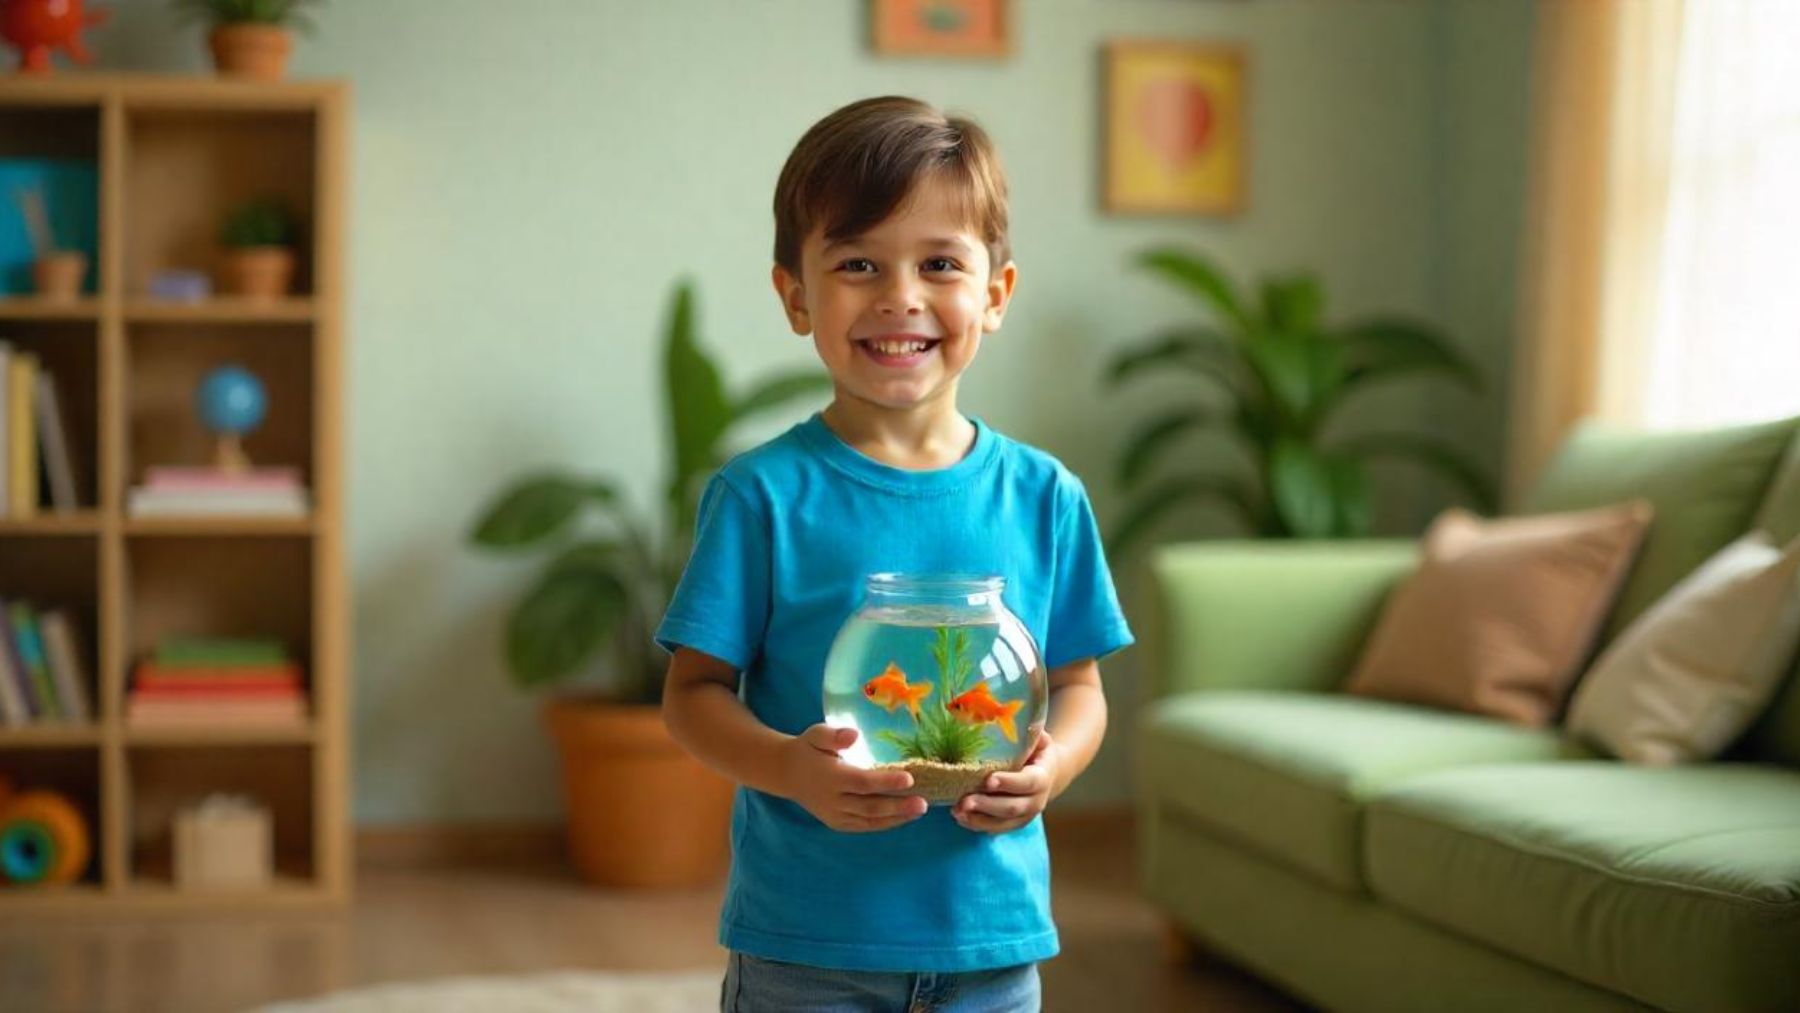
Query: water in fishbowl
930	692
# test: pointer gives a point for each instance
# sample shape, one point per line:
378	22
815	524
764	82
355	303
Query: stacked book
42	677
215	681
34	438
258	492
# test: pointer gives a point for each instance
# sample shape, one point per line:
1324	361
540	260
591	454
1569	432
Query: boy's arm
701	707
703	713
1077	719
1071	738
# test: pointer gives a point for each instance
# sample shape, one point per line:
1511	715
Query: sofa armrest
1267	614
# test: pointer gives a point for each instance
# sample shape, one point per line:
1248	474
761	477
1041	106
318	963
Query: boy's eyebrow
938	242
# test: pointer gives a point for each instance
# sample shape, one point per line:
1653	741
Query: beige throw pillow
1501	614
1690	674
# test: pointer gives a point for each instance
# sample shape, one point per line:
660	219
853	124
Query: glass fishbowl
939	679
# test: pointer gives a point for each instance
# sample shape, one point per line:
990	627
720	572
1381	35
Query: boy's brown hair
856	166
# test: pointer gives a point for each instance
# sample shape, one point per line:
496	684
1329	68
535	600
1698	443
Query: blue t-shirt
786	537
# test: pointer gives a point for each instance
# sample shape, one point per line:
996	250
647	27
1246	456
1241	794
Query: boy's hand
1011	800
841	796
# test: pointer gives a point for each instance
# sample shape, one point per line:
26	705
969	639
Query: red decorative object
35	27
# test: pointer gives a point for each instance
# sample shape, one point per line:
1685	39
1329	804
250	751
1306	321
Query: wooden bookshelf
173	153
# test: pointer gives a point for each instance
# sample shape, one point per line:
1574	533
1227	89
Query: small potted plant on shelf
641	811
259	239
250	38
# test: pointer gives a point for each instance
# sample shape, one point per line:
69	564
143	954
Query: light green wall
529	178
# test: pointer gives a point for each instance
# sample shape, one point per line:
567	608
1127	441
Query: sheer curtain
1662	246
1724	343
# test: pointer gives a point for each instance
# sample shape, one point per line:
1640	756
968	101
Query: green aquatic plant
937	736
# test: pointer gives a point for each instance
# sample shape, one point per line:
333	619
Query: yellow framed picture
976	28
1175	130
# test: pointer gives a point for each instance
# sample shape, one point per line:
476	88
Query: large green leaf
779	390
1198	348
1160	432
1303	373
535	509
563	623
1433	455
699	411
603	554
1292	305
1158	500
1381	348
1318	495
1205	279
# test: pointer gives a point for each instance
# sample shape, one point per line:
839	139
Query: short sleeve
721	605
1085	618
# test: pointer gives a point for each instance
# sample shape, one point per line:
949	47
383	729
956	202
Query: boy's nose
900	298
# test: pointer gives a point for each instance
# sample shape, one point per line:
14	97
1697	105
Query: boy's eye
857	265
936	264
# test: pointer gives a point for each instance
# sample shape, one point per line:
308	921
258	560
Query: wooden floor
414	922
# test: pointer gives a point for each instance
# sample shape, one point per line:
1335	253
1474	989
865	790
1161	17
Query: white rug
566	992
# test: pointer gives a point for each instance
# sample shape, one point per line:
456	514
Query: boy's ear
999	296
793	299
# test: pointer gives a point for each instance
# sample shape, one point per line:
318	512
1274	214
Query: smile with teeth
898	351
898	347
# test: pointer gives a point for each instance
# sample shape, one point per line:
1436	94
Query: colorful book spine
6	357
21	451
15	700
217	681
31	651
66	667
53	432
201	652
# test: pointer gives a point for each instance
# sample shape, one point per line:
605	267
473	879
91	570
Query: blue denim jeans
755	985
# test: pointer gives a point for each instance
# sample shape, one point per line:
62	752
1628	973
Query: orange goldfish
890	689
978	707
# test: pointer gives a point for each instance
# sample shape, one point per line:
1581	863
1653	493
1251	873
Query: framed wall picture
940	27
1175	130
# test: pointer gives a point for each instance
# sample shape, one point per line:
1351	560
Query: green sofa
1369	855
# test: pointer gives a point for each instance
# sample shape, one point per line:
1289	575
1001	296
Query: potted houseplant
250	38
259	238
641	811
1274	373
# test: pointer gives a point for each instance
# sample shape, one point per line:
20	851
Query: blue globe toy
232	400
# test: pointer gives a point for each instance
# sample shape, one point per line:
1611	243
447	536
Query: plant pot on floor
641	811
256	52
259	272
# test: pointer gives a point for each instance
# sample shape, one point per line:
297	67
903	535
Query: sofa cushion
1776	737
1287	773
1706	487
1696	669
1679	886
1501	614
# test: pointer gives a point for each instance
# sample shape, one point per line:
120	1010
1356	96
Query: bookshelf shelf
52	735
222	310
219	527
172	154
76	522
220	735
17	307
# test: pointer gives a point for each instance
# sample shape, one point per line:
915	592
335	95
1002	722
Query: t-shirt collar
864	468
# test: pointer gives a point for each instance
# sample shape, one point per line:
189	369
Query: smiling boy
846	892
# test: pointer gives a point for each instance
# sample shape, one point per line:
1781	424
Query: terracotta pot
642	812
259	272
257	52
57	275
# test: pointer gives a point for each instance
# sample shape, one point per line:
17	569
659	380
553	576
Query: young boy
846	892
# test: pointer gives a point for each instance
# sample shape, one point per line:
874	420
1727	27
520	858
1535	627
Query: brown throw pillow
1501	614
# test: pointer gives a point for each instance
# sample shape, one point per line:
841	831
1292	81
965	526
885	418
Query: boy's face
898	313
